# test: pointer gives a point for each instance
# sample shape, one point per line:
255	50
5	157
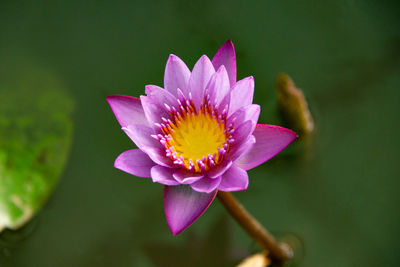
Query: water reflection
211	248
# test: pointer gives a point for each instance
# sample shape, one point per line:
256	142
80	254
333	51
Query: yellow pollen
196	136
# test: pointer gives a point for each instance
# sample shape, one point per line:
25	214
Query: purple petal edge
127	109
218	86
226	56
176	75
206	184
242	94
186	177
201	74
270	140
183	206
134	162
234	179
163	175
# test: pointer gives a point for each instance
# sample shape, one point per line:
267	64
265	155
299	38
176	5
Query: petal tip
221	70
291	132
204	58
173	58
175	231
110	99
229	44
178	224
117	161
226	56
127	109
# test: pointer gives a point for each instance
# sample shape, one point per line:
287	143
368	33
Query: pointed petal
243	141
223	106
141	135
183	206
206	184
241	149
270	140
158	156
176	75
226	57
241	94
250	112
134	162
234	179
219	169
185	177
201	74
242	132
163	175
153	111
161	96
218	86
127	109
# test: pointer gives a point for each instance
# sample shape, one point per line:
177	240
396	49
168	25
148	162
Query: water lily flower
197	135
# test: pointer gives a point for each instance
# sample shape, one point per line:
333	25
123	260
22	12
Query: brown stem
278	252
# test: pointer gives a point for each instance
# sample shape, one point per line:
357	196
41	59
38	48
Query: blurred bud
293	105
256	260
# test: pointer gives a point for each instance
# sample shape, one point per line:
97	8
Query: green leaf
35	136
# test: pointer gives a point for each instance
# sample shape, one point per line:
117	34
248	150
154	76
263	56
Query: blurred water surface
337	192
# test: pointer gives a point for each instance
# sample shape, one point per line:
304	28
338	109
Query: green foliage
35	136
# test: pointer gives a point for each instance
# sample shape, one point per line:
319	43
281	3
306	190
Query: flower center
195	140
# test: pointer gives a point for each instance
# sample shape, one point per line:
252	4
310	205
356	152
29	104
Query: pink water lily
197	135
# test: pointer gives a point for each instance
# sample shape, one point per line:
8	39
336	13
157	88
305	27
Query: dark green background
337	192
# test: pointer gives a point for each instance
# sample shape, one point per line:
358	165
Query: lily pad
35	137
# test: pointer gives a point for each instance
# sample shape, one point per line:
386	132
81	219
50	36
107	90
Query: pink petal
163	175
153	111
183	206
241	94
250	112
270	140
242	148
234	179
134	162
157	155
223	106
176	75
185	177
242	132
127	109
161	96
141	135
206	184
219	169
201	74
241	137
226	57
218	86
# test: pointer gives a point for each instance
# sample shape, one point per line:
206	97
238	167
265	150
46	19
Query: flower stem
279	252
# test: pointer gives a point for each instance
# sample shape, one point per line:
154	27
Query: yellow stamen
192	136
